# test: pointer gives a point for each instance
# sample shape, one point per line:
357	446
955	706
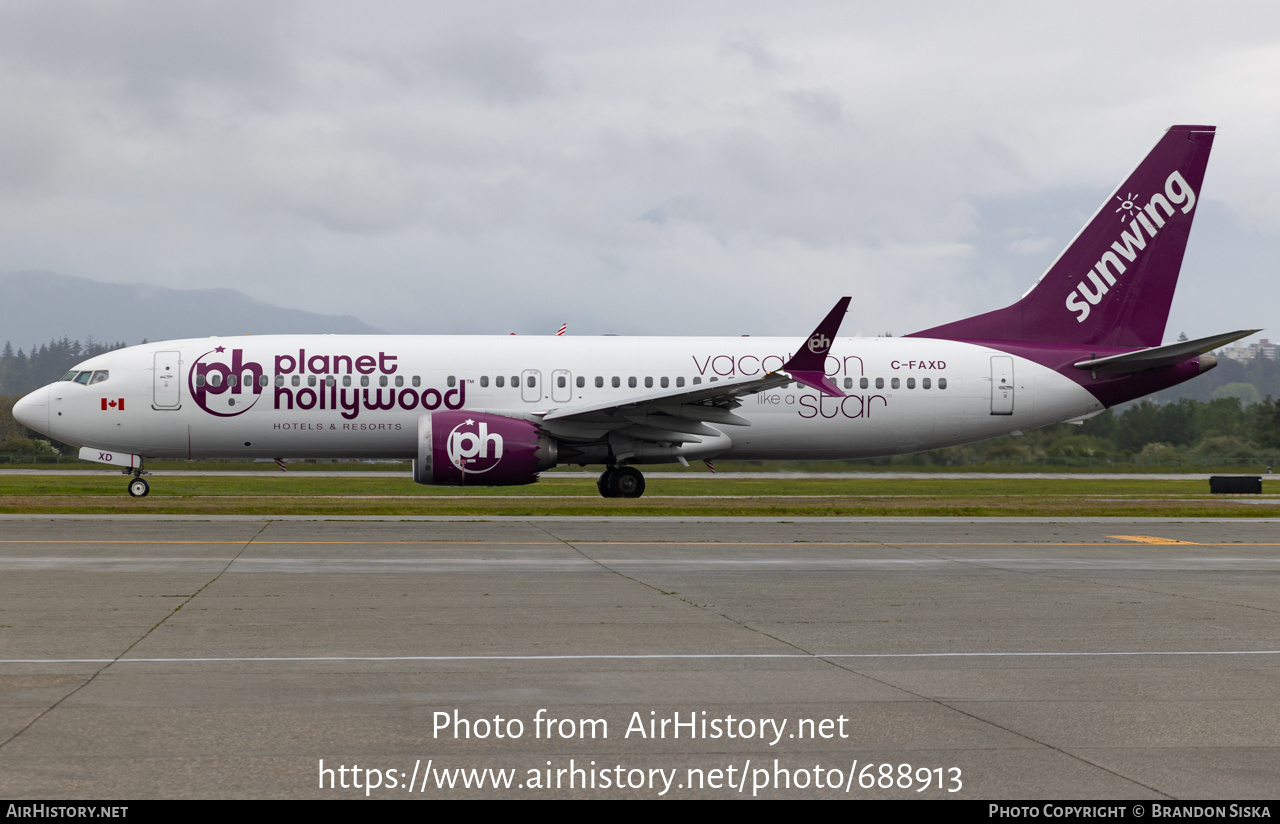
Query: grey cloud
751	46
146	45
678	208
497	64
820	106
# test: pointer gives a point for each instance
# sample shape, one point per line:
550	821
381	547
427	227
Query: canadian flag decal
114	403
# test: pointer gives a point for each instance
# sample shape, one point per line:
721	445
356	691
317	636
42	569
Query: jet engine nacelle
477	449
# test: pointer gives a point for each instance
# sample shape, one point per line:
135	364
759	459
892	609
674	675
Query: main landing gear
138	486
621	482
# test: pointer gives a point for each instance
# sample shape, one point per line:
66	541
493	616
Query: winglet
809	365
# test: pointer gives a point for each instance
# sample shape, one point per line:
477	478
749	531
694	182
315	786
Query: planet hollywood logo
311	383
819	343
472	448
225	389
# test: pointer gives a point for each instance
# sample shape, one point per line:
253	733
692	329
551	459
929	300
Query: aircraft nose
32	411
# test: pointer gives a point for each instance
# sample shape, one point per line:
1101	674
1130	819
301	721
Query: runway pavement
999	658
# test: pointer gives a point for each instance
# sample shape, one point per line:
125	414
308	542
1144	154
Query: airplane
499	410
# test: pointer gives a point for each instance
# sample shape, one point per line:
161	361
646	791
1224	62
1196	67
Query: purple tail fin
1113	284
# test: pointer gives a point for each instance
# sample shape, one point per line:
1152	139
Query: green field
575	494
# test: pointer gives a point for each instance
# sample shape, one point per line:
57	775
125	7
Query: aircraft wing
678	416
683	415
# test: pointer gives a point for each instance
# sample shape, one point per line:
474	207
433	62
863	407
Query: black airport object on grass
1235	484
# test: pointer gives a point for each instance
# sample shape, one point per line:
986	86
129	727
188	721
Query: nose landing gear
138	486
621	482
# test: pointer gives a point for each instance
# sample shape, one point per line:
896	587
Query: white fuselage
322	396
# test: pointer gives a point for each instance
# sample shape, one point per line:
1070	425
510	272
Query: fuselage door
166	388
531	385
561	386
1001	385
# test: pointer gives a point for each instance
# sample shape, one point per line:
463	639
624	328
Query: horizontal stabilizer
1157	356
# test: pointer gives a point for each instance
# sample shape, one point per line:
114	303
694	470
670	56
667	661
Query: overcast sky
648	168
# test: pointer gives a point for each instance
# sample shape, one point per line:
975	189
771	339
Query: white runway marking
632	657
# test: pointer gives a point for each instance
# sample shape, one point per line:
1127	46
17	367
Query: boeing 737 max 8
498	410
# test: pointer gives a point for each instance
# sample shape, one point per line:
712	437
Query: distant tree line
1224	432
1250	381
21	372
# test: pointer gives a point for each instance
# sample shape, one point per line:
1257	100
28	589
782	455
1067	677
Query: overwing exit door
531	386
561	386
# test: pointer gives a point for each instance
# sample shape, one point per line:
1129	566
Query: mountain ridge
40	306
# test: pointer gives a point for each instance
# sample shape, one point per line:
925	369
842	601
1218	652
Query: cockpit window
99	376
70	375
83	378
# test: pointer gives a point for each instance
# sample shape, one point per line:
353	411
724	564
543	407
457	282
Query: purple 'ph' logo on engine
472	448
219	388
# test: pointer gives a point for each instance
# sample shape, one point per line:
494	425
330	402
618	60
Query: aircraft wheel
605	483
627	482
139	487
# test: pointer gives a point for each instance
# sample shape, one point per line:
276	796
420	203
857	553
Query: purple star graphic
220	349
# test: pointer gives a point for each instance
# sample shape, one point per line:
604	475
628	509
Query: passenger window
417	381
714	380
924	382
581	381
599	382
879	383
99	377
665	383
560	382
399	380
697	380
942	383
848	383
648	383
70	375
330	380
515	381
680	381
451	381
616	382
295	380
895	383
364	380
382	380
911	383
83	377
279	381
631	382
311	380
530	382
499	381
346	380
484	381
199	380
862	384
215	379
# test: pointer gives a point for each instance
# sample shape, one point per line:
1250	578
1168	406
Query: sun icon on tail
1126	205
